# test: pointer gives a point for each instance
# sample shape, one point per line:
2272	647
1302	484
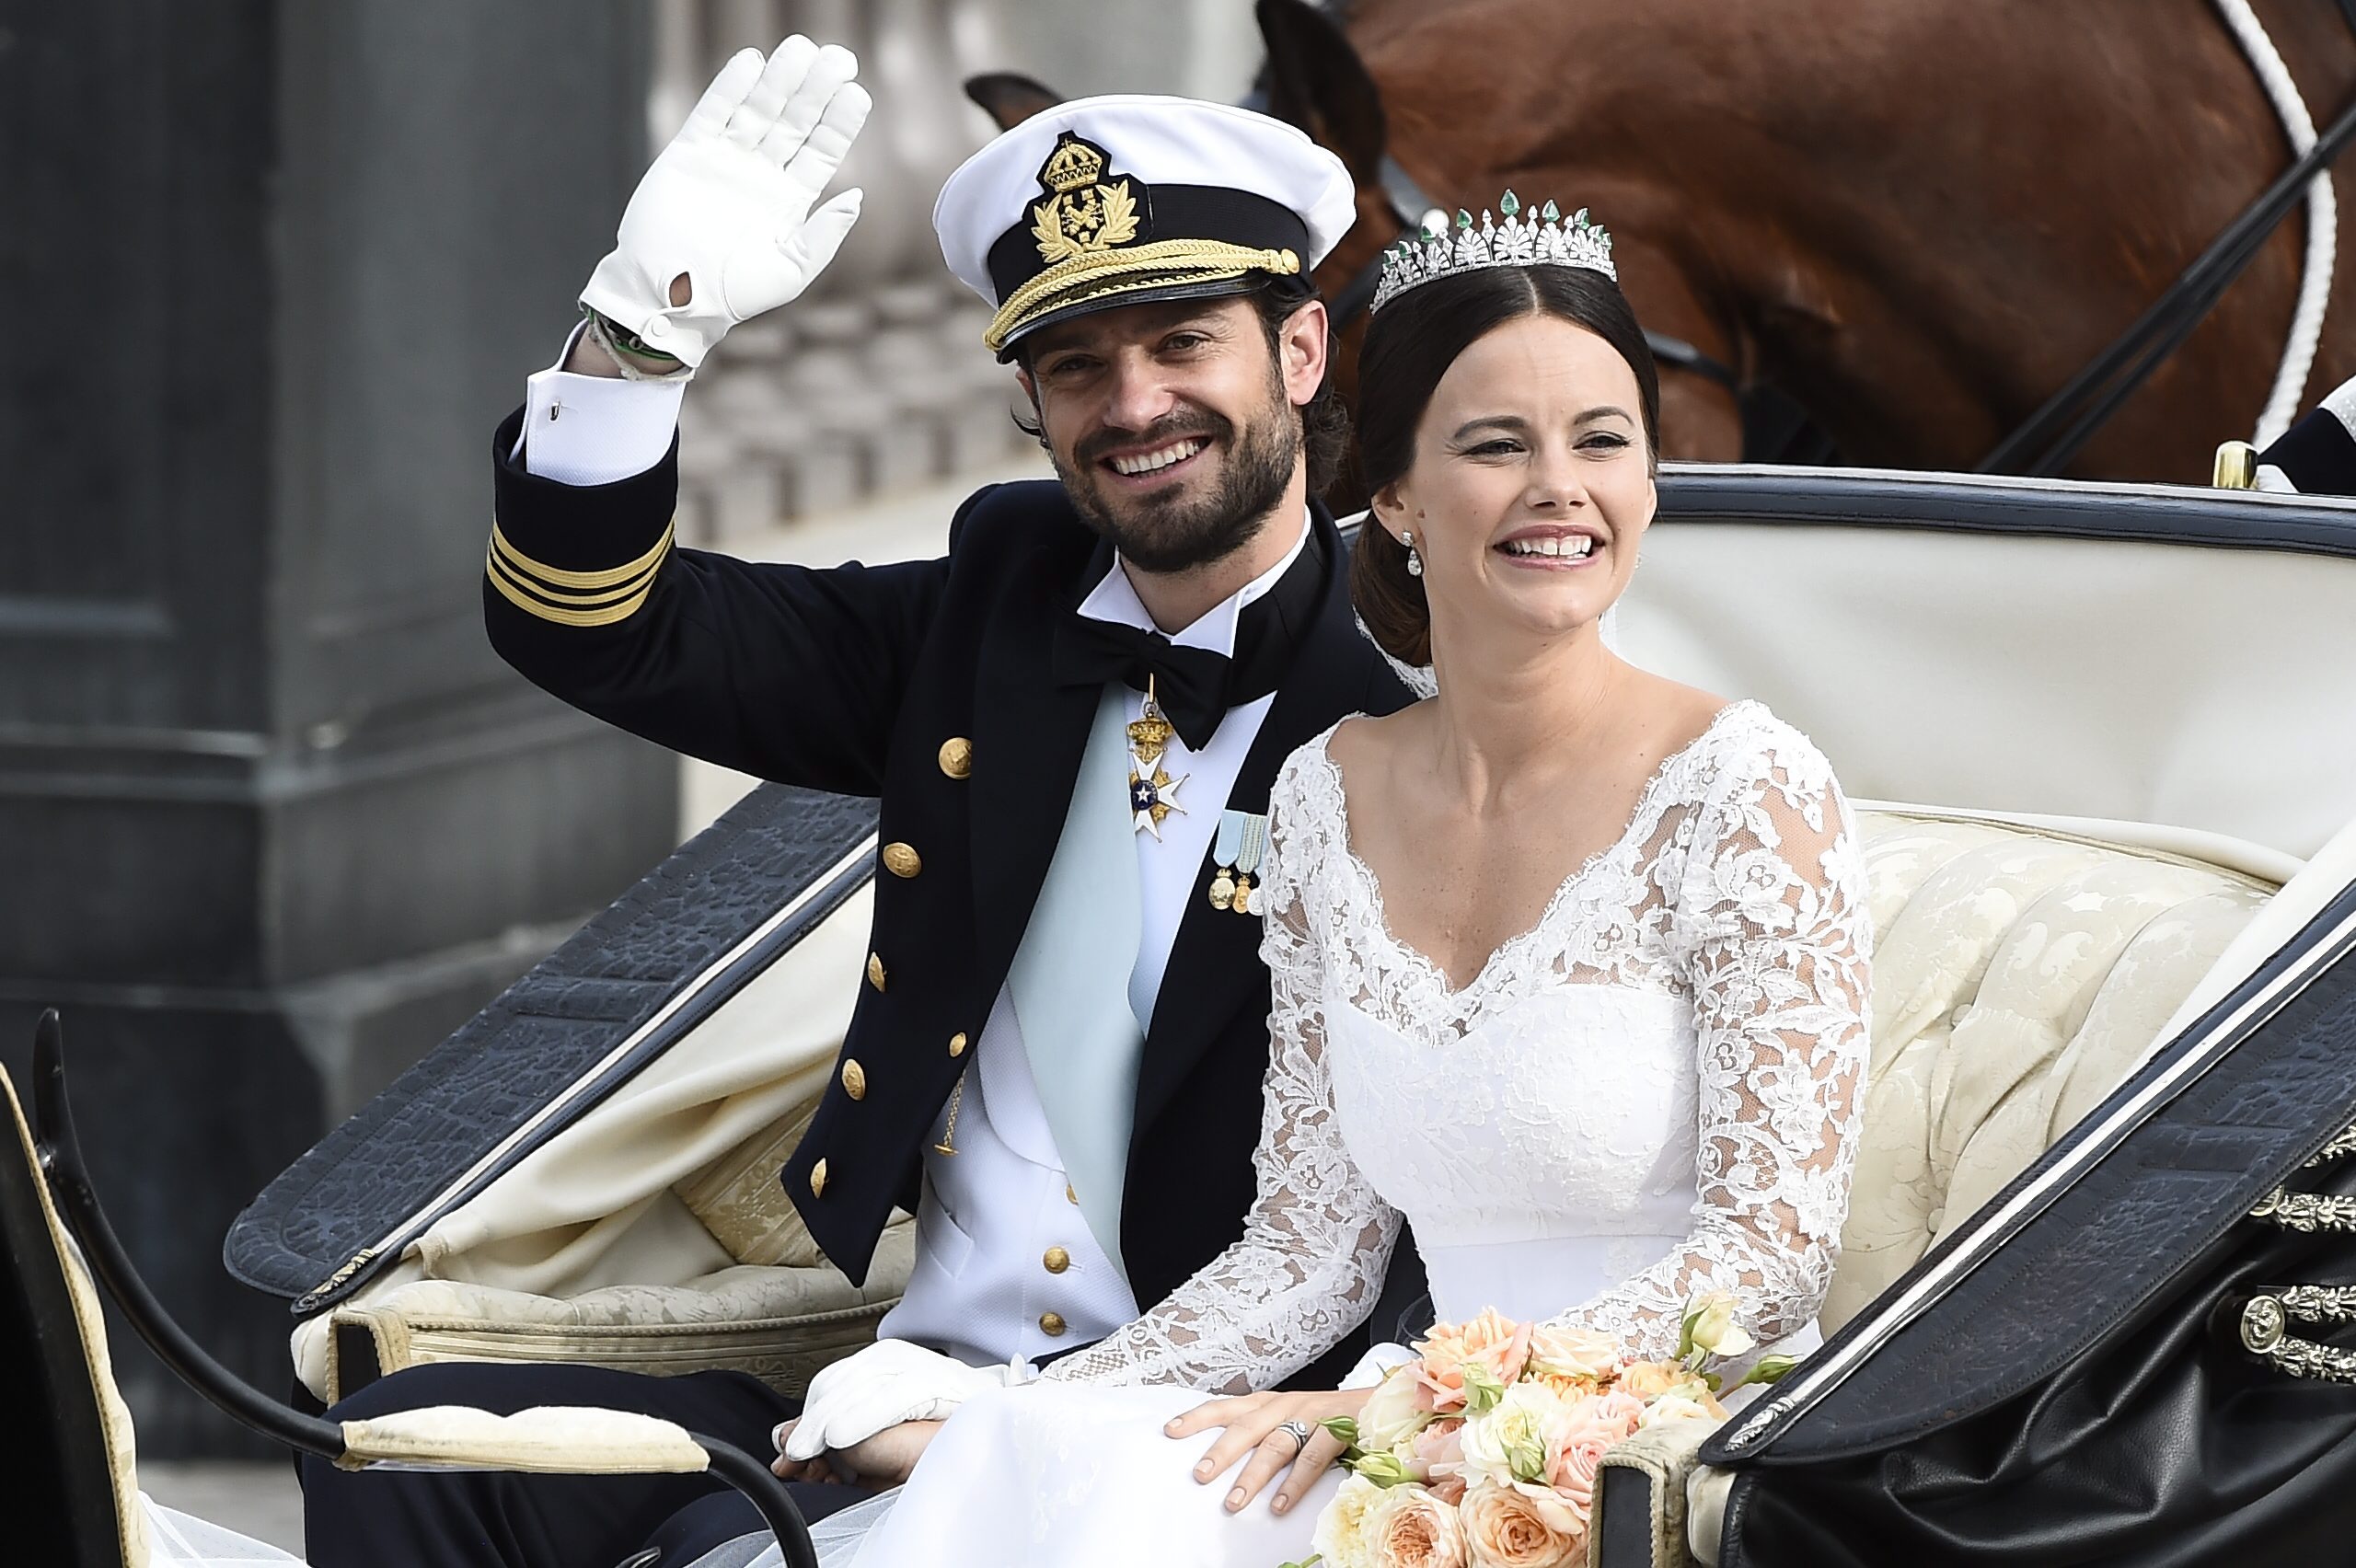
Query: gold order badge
1085	213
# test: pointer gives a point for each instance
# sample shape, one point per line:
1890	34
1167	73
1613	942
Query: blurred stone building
273	818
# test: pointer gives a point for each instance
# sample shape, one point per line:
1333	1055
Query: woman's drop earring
1414	561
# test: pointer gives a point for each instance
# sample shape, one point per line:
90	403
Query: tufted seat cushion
2018	974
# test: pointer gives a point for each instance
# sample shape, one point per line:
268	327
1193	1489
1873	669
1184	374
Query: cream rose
1710	1325
1418	1531
1678	1407
1399	1407
1346	1530
1519	1526
1573	1353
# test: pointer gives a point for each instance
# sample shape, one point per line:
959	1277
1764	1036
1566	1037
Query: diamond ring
1298	1432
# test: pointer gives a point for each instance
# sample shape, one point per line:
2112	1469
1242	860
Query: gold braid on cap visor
1105	273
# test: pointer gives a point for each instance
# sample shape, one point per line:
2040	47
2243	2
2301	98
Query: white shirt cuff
594	429
1375	1363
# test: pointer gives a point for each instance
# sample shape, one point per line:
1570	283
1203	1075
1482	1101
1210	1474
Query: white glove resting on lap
727	203
889	1382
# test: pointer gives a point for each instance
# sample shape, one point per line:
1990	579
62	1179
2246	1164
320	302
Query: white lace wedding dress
1651	1093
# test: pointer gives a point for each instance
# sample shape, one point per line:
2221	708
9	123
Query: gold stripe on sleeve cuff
606	616
558	578
572	598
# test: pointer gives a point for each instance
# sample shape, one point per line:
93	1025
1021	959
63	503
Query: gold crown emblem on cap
1085	213
1073	165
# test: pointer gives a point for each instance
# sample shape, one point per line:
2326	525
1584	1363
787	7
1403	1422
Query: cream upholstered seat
778	1310
2018	974
652	1235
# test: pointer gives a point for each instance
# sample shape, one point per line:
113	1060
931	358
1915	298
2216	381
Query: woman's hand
1255	1426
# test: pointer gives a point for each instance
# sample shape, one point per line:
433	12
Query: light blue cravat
1070	979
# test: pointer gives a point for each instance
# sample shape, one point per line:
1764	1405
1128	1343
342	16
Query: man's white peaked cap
1114	200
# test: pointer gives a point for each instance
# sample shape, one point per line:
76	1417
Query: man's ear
1306	343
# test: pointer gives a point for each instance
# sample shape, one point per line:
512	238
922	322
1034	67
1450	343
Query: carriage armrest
548	1440
1640	1499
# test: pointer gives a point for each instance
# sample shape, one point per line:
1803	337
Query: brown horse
1916	218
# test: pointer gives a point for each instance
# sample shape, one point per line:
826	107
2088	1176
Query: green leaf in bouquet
1312	1561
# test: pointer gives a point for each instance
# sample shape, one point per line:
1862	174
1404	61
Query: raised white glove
727	203
887	1383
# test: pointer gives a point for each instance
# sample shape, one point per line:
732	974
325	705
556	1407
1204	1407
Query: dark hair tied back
1409	346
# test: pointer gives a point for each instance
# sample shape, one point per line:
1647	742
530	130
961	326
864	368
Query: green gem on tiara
1551	212
1508	204
1463	219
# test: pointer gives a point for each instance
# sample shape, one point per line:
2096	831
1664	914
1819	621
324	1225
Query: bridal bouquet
1483	1452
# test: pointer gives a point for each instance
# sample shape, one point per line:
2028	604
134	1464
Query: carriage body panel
2154	681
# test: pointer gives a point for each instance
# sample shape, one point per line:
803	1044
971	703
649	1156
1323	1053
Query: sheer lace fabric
1675	1045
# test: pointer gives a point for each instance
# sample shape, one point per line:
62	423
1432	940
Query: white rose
1396	1410
1510	1442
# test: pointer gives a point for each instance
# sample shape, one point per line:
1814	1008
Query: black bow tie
1194	687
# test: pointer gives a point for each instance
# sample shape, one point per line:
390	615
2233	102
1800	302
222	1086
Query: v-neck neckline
1456	994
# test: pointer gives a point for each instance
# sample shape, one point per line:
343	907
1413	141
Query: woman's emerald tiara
1548	239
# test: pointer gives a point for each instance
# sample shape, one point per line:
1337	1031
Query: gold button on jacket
957	757
1051	1324
901	859
854	1080
1056	1260
818	1179
875	969
956	1045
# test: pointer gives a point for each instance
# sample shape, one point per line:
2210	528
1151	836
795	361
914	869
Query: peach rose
1575	1451
1447	1489
1438	1449
1418	1531
1491	1343
1570	1470
1648	1380
1519	1526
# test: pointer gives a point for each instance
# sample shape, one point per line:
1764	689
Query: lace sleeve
1773	937
1315	1245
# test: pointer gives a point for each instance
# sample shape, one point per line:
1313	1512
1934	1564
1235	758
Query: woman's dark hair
1409	346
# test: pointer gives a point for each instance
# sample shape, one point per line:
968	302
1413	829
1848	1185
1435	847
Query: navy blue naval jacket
926	685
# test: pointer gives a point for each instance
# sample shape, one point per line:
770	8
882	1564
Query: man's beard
1178	528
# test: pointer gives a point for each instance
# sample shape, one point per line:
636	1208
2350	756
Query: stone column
273	818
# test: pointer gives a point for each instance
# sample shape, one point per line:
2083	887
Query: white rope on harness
2323	225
